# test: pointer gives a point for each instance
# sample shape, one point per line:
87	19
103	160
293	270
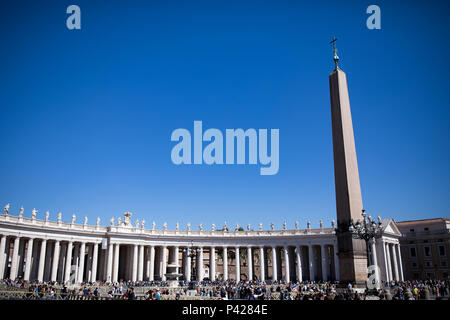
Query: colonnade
393	261
75	261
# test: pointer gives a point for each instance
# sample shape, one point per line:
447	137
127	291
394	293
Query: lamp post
368	230
192	253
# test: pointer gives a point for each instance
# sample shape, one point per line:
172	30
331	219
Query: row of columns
289	262
392	258
139	262
46	257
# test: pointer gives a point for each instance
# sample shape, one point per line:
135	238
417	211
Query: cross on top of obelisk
335	58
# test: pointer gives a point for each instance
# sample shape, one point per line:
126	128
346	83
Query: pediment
390	227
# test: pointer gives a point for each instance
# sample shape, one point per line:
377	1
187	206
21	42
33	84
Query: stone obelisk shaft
352	252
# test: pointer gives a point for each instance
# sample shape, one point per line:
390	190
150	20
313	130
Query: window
443	263
441	251
427	251
414	265
426	229
411	230
412	252
428	264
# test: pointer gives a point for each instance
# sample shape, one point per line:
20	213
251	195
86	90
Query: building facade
45	250
425	248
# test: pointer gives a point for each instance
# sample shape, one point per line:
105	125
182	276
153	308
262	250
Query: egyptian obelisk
352	252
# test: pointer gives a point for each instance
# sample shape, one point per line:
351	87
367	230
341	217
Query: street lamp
368	230
191	253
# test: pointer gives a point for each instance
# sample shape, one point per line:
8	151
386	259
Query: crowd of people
230	289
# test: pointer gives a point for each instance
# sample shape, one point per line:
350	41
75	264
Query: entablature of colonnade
125	233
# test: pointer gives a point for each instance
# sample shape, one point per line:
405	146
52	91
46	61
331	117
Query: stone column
238	264
262	272
250	263
323	253
82	258
26	276
2	256
274	264
164	263
135	263
176	250
42	260
15	259
225	263
76	261
88	262
55	261
116	262
399	258
375	260
389	266
395	262
212	264
188	266
141	263
337	274
312	274
200	265
94	263
109	265
151	275
299	264
287	277
68	261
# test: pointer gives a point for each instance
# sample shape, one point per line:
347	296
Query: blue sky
86	116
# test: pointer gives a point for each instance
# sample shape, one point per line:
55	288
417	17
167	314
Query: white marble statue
177	226
296	225
98	221
127	218
225	226
321	224
260	226
47	214
142	224
137	223
237	227
59	217
165	226
188	226
308	225
200	227
21	212
153	225
73	218
6	209
248	227
85	220
213	227
284	225
272	226
33	213
332	223
119	221
111	222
